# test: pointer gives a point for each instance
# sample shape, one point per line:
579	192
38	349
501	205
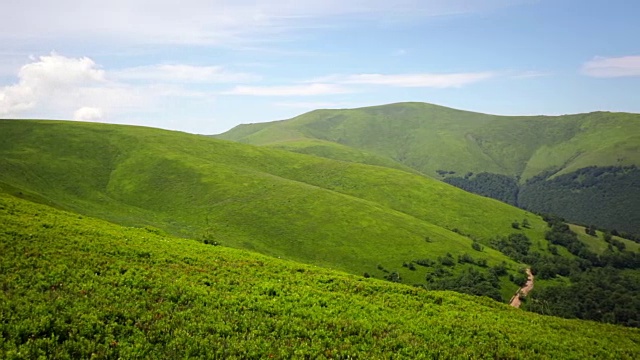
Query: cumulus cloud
56	85
47	76
603	67
88	114
291	90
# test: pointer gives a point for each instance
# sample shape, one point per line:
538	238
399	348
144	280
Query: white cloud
207	21
603	67
179	73
55	86
291	90
341	84
419	80
47	78
529	74
88	114
446	80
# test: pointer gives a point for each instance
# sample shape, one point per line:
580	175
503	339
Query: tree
476	246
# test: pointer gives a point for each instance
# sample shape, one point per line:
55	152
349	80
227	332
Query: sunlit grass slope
347	216
428	138
597	243
77	287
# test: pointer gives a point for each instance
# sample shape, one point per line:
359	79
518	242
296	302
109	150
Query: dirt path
515	300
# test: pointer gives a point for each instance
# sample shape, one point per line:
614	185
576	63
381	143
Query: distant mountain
582	167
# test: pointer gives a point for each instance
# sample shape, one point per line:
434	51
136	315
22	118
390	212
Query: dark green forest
607	197
500	187
602	287
602	294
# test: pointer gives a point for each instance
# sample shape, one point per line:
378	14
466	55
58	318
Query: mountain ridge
455	145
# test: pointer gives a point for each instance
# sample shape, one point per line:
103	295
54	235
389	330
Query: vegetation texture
505	152
353	217
76	287
370	220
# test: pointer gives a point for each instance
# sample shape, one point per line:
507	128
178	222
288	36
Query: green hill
352	217
77	287
370	220
516	159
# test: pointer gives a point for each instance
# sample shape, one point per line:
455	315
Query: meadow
78	287
341	215
545	164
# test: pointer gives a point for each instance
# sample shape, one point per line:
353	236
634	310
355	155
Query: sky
206	66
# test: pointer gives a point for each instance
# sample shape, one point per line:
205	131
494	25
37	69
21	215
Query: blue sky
206	66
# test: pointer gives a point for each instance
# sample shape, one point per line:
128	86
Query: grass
597	243
341	215
332	150
427	138
77	287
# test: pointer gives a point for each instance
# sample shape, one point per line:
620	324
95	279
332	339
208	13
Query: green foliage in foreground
75	287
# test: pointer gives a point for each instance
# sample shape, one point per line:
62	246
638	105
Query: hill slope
508	151
352	217
78	287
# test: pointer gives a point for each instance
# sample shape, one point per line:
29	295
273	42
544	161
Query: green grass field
341	215
597	244
456	146
78	287
347	216
428	138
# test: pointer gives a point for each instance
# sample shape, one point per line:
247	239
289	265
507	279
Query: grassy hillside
454	145
427	137
76	287
596	242
353	217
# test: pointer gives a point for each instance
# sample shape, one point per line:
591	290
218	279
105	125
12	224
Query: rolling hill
77	287
372	220
352	217
582	167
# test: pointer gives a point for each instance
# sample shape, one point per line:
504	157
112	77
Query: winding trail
515	300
